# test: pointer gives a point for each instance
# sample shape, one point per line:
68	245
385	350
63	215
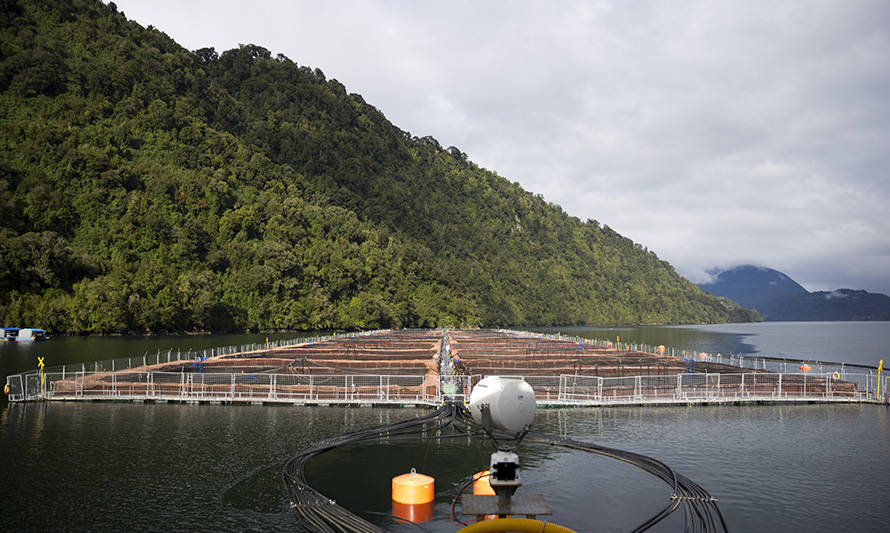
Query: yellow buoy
413	488
6	388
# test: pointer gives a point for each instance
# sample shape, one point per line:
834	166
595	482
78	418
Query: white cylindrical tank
511	401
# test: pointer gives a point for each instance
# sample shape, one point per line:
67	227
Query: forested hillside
144	187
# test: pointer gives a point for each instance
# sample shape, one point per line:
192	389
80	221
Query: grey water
860	343
150	467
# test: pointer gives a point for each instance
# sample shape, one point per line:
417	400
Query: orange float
805	367
481	486
422	512
413	488
412	496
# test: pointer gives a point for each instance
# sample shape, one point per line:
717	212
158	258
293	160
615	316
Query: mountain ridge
149	188
779	298
751	285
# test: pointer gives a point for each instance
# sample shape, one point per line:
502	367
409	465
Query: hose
314	511
522	525
317	513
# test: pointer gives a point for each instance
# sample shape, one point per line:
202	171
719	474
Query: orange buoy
805	367
422	512
661	349
481	486
413	488
702	355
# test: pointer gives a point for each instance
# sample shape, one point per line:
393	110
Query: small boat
9	334
31	334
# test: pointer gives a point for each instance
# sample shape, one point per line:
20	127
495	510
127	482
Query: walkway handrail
174	355
565	389
22	386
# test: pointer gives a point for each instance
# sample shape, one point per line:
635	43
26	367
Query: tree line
148	188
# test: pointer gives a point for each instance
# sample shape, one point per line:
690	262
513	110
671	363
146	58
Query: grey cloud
712	132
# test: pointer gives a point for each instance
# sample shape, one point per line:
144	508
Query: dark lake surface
152	467
863	343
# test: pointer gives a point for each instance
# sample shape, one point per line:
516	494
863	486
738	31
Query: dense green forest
148	188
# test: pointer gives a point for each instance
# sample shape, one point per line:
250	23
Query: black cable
457	497
318	513
699	506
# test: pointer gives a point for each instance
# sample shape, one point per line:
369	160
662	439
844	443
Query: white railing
174	355
132	377
564	389
698	388
211	386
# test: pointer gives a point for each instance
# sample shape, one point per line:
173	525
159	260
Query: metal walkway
193	378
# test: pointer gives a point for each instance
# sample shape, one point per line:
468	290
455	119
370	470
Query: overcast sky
714	133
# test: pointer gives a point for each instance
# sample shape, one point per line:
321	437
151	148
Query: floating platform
423	367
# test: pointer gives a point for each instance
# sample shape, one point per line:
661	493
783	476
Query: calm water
151	467
863	343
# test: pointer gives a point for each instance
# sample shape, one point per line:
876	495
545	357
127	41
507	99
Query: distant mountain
842	304
751	286
779	298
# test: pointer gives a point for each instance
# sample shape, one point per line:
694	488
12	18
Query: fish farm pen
428	367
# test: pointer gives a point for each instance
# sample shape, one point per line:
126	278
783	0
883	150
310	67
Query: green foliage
144	187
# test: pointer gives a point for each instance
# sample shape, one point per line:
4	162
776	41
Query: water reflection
157	466
219	467
691	339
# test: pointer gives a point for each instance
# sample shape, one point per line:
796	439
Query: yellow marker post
618	342
267	343
40	365
880	366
